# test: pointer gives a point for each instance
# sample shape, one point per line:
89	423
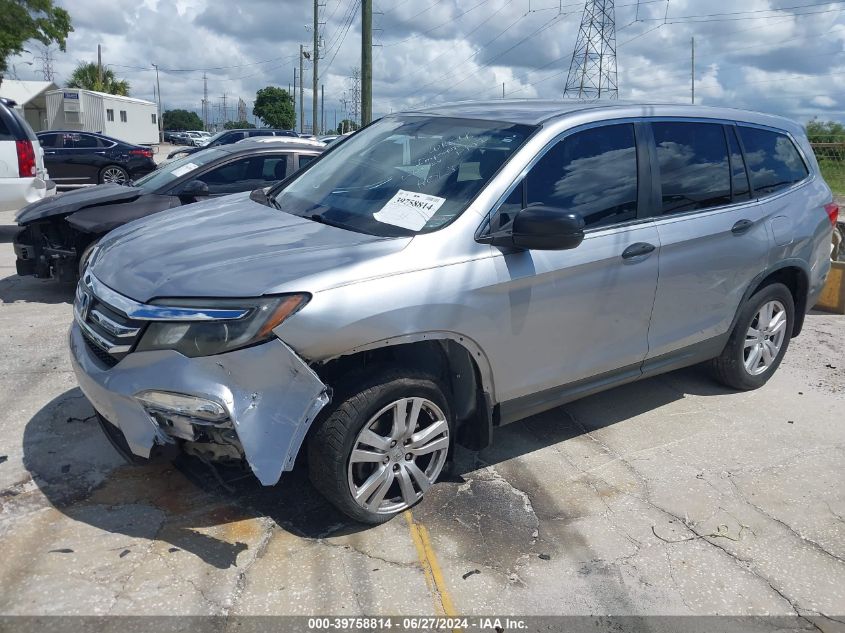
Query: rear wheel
114	174
759	339
382	446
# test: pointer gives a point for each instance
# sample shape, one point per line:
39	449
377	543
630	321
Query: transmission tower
46	60
592	72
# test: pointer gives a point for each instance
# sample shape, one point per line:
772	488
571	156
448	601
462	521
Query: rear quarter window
773	161
5	133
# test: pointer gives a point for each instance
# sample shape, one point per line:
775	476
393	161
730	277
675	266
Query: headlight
205	338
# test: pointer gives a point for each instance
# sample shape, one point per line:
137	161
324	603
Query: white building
31	99
124	118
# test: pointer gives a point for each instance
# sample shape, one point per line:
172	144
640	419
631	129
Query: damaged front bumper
269	395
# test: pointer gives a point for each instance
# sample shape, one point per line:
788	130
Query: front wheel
759	339
381	447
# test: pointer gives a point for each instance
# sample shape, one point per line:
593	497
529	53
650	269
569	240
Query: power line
548	25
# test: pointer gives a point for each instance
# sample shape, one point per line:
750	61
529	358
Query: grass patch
833	173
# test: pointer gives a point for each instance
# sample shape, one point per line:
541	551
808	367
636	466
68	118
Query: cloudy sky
781	56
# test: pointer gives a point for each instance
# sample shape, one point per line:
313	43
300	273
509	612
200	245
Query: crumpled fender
271	394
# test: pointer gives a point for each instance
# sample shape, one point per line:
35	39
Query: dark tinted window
49	140
773	161
245	174
694	171
5	133
593	172
80	141
260	133
510	207
304	159
739	176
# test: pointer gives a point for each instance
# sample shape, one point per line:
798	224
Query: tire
388	482
83	258
113	174
736	367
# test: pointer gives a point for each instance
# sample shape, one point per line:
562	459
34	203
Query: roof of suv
536	111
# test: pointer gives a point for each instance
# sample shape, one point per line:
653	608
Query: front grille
107	331
107	359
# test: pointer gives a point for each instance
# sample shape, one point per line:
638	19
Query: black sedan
74	159
57	234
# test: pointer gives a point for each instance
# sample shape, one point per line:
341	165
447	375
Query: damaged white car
447	271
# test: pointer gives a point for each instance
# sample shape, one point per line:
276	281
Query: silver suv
447	271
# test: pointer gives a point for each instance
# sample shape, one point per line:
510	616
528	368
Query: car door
578	314
82	155
51	142
713	240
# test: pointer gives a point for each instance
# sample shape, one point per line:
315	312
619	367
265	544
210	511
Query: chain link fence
831	157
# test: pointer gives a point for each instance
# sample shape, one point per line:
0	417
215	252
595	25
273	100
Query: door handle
637	249
741	227
48	153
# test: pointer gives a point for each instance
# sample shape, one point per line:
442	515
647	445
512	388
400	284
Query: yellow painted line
431	568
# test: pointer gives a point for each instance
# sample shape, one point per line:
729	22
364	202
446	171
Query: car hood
228	247
71	201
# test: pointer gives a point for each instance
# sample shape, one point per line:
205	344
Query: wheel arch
456	359
795	275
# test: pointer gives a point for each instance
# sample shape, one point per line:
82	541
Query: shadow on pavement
81	475
31	290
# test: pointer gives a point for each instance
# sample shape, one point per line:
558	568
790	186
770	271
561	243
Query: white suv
23	177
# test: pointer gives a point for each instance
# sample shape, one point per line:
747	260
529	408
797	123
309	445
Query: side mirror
194	189
542	228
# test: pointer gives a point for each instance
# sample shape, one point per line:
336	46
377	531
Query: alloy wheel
398	455
114	175
764	337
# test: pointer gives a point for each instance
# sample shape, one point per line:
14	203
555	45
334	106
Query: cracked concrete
671	496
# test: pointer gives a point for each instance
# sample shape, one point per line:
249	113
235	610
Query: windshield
402	175
169	172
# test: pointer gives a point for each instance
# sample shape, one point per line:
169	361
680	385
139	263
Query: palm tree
85	76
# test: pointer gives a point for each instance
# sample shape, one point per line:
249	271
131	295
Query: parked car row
226	137
432	277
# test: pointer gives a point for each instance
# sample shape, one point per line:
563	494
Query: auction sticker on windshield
409	209
181	170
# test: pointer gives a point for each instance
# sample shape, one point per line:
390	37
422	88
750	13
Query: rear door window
694	169
773	161
593	172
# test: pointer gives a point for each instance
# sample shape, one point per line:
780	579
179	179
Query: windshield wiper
316	217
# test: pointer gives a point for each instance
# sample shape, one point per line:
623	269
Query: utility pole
100	66
158	101
225	111
503	90
205	102
294	96
692	74
366	61
592	71
322	107
315	58
301	100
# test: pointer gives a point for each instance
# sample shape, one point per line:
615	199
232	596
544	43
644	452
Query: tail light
26	159
832	210
146	153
